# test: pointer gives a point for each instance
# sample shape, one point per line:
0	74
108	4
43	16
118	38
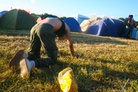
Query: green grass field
105	64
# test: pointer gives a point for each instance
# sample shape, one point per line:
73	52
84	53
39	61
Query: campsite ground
104	64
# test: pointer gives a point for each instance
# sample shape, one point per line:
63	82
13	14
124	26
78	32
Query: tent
2	13
86	23
80	18
107	27
35	16
17	19
73	24
120	27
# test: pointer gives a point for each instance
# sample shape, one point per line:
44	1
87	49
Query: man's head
61	33
130	16
62	37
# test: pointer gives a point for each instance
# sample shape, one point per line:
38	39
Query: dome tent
3	12
80	18
86	23
107	27
17	19
73	24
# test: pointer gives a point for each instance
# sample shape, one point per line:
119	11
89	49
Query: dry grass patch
104	64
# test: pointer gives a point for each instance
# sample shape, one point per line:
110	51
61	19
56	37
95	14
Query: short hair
131	16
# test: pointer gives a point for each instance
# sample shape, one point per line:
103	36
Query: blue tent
2	13
107	27
120	27
73	24
79	17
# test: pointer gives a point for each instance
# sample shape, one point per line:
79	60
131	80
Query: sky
89	8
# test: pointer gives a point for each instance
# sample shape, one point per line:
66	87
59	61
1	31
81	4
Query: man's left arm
70	43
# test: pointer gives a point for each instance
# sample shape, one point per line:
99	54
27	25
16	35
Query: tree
62	18
123	19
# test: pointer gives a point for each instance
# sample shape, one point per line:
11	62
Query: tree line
45	15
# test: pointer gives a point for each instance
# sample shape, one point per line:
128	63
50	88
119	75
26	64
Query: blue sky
90	8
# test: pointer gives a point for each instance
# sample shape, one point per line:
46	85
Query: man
42	34
129	22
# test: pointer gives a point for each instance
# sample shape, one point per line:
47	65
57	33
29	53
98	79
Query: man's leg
47	38
35	44
131	30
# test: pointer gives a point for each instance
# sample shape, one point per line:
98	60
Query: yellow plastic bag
66	80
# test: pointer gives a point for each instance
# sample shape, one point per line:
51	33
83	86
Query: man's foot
14	63
25	68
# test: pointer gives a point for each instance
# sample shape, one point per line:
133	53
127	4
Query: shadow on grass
85	82
121	75
118	74
106	61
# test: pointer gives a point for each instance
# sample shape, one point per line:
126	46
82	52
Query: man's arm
70	43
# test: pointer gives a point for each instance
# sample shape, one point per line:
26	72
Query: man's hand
75	55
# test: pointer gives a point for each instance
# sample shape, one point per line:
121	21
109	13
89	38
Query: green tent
17	19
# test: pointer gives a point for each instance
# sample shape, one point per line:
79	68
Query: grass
104	64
